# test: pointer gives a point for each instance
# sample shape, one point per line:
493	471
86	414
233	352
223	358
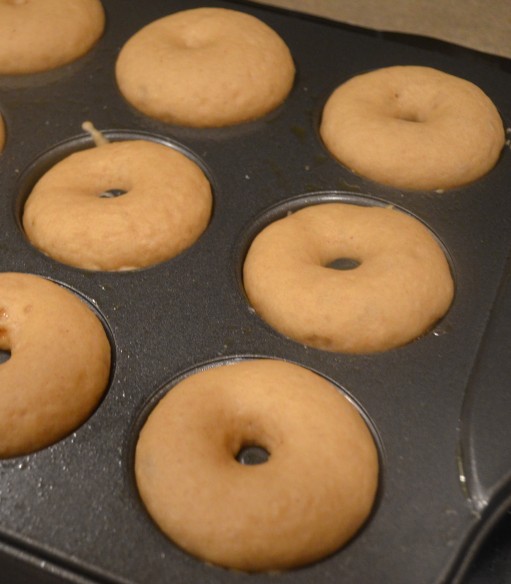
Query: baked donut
59	363
413	128
205	67
307	500
399	287
166	207
40	35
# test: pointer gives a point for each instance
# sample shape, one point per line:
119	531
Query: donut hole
112	193
4	356
410	116
251	454
405	111
343	264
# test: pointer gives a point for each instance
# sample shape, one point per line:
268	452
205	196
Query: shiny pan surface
438	406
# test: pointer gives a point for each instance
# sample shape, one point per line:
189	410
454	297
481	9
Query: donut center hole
4	356
112	193
343	264
403	111
252	454
414	118
407	115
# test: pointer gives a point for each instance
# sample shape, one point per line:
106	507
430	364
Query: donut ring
59	365
166	207
304	503
413	128
400	288
205	67
43	35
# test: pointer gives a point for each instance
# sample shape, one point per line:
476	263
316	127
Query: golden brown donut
38	35
413	128
400	288
59	365
166	207
205	67
311	496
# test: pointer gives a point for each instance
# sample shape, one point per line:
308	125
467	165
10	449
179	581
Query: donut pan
439	406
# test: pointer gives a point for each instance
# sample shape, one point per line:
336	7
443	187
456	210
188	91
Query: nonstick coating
71	513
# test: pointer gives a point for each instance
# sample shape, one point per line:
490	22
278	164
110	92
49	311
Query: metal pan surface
71	512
